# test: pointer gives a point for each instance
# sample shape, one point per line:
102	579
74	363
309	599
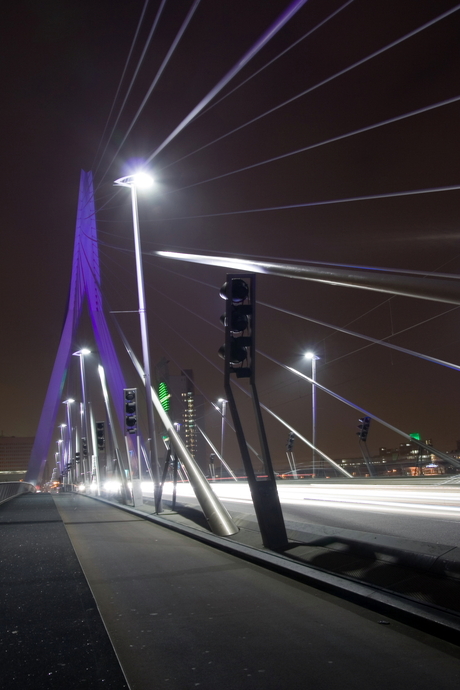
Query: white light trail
433	502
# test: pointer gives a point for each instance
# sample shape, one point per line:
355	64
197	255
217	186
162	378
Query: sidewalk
182	615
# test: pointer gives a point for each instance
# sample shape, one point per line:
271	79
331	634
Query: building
15	454
184	407
408	460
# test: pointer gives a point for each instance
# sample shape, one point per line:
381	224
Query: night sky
63	62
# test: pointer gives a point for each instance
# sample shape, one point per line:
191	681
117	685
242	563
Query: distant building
15	454
408	460
184	407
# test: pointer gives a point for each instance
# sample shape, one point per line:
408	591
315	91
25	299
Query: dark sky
62	66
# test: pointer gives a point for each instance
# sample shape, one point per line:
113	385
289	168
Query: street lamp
143	180
313	358
68	403
87	449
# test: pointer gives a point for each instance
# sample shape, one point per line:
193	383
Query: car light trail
439	502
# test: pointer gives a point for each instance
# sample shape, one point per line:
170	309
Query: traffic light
100	434
238	323
363	428
84	447
290	442
77	457
130	410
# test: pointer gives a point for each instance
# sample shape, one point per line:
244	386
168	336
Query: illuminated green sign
164	396
416	437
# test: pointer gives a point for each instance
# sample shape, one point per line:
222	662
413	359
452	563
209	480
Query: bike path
51	633
181	614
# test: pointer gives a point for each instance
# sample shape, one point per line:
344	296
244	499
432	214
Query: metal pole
214	449
263	491
217	515
79	445
95	456
175	464
313	414
145	353
85	420
63	454
121	469
59	445
223	413
293	465
69	428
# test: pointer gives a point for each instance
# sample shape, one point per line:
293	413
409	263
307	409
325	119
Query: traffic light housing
84	446
100	435
363	428
130	404
290	442
238	321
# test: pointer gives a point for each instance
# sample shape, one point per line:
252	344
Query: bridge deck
181	614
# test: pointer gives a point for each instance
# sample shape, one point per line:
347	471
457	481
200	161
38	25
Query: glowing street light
313	358
143	180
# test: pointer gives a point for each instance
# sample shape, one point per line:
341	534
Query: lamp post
68	403
142	180
313	358
84	426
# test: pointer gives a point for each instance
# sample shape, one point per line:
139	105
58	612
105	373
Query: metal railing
11	489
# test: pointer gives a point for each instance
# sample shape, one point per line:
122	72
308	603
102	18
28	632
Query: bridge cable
325	142
324	389
373	341
267	64
393	44
260	43
313	204
133	79
156	78
119	87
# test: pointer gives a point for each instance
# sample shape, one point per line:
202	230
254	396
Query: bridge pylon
84	285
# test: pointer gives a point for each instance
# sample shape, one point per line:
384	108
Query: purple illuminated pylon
85	282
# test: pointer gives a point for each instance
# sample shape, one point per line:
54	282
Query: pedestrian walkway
182	615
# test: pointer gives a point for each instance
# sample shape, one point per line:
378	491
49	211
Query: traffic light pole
362	436
313	415
264	491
